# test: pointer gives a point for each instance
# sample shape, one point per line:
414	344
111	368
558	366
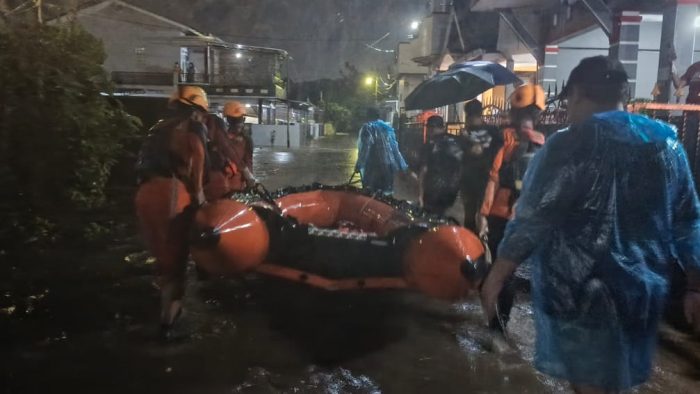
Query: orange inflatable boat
338	238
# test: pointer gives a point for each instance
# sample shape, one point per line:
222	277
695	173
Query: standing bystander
607	207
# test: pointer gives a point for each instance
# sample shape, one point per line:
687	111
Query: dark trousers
497	228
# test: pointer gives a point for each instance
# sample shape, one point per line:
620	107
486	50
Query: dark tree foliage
344	100
60	132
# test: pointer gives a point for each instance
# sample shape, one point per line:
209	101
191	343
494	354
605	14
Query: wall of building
406	84
407	51
262	135
244	68
133	41
595	42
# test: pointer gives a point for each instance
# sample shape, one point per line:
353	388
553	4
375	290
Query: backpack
155	157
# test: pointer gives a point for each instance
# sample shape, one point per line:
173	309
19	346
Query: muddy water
84	321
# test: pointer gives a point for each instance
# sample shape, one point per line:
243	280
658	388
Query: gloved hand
201	200
691	306
482	226
691	303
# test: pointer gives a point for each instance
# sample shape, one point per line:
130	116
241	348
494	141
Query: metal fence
686	119
143	78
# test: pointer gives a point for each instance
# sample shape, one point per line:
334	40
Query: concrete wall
407	51
262	135
406	85
243	68
595	42
133	41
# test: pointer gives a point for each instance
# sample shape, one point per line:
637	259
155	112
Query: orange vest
498	201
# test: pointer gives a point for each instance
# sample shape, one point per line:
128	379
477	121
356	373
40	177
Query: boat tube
338	238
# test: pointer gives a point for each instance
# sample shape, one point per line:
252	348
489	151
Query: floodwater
85	321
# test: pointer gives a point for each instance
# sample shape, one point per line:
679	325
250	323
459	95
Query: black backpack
155	157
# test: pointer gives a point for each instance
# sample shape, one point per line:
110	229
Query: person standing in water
378	158
607	207
440	172
171	168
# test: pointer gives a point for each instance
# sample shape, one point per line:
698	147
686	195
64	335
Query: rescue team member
608	206
520	140
505	180
440	172
223	171
172	166
242	144
378	158
482	142
231	152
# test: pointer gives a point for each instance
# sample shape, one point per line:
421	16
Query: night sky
321	35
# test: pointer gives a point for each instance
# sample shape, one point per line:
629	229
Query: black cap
435	121
473	107
597	70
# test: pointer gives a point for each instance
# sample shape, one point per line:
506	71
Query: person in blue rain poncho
378	157
608	206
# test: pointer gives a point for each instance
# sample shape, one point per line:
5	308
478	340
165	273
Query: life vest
157	157
219	160
508	172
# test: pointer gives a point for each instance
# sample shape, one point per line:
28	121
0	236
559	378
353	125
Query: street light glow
414	25
369	81
239	55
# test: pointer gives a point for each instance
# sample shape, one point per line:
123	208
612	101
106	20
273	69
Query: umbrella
461	82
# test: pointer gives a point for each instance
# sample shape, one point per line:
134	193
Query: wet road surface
85	321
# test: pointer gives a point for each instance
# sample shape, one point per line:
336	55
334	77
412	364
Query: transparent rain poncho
379	157
607	207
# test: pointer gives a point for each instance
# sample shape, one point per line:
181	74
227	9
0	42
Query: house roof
193	36
96	6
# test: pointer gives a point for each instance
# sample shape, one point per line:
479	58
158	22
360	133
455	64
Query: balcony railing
143	78
215	84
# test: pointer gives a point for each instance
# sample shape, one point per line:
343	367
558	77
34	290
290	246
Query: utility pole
376	89
39	16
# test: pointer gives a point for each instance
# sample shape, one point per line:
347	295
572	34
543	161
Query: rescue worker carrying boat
231	152
172	166
242	144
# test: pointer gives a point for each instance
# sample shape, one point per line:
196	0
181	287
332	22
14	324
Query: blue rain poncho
607	207
379	157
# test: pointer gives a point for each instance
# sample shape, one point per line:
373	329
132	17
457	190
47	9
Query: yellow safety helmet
234	109
191	95
527	95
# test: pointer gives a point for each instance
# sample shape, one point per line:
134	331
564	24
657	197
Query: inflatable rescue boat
338	238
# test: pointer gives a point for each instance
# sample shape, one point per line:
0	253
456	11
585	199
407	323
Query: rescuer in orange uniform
242	144
231	152
520	141
172	167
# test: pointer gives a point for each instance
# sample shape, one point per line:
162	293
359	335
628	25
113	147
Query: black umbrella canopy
462	82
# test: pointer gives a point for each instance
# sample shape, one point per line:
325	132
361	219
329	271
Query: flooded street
84	321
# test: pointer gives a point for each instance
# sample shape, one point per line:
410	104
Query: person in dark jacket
481	143
441	164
